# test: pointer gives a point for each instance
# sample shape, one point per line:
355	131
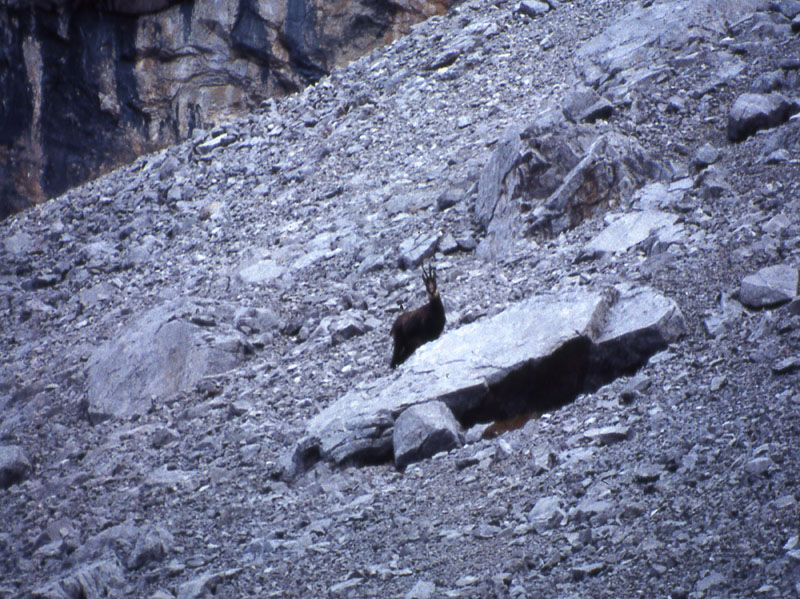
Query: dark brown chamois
412	329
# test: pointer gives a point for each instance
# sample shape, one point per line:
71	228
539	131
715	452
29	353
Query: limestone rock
14	465
159	70
585	105
752	112
547	513
102	578
158	354
770	286
416	249
424	430
630	229
560	173
588	337
532	8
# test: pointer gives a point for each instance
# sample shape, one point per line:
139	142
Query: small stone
262	272
19	243
608	434
711	580
421	590
163	436
786	365
706	155
758	466
646	474
546	513
448	244
532	8
592	569
778	156
416	249
345	585
718	382
447	199
585	105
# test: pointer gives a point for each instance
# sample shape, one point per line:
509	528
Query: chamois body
413	328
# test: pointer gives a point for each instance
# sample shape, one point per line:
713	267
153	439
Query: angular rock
706	155
770	286
159	354
416	249
492	180
607	434
560	173
262	272
532	8
14	465
202	586
557	344
422	589
18	244
546	513
758	466
584	570
97	580
630	229
152	545
786	365
752	112
424	430
585	105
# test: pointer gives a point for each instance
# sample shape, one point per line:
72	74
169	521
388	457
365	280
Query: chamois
413	328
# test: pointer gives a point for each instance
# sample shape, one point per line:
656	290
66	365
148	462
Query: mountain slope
278	238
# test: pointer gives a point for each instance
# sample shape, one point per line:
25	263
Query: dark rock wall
88	85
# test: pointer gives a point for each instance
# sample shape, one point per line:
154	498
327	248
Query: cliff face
85	86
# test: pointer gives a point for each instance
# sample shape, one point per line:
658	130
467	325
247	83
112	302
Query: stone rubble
672	474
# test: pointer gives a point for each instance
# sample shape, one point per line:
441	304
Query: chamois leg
398	356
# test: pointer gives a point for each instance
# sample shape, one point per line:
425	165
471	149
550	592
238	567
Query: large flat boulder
539	353
165	350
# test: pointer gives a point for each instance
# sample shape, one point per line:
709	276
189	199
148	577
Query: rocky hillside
87	86
195	395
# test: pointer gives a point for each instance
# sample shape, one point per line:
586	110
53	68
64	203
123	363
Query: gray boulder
584	105
752	112
540	353
557	173
424	430
167	349
532	8
770	286
14	465
633	228
546	513
416	249
96	580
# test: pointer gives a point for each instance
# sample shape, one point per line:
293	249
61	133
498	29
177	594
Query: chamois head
429	278
413	328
